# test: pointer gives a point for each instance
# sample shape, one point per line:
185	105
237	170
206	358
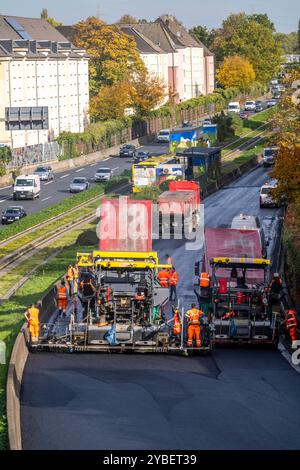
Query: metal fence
32	154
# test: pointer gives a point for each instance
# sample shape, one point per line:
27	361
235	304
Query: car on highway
249	106
271	102
45	173
127	150
258	106
250	222
141	156
244	114
276	95
103	174
265	198
163	136
269	155
79	184
12	214
234	107
26	187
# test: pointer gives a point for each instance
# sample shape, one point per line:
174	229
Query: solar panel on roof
18	28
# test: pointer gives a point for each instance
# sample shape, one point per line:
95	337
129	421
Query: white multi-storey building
44	87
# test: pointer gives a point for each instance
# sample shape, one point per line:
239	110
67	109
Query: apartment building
44	87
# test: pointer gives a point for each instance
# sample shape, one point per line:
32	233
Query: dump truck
179	208
238	291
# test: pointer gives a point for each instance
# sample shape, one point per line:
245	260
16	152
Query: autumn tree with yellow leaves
236	72
113	54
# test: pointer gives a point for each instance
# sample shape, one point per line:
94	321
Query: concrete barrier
13	388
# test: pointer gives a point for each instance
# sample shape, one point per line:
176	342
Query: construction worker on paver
75	278
32	316
276	287
176	324
291	326
193	317
204	280
173	281
169	260
70	279
62	298
163	278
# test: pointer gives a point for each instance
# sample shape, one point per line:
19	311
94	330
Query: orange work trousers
62	304
194	332
34	329
293	333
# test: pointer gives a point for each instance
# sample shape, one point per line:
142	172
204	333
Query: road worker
62	298
291	326
173	281
75	278
32	315
276	288
169	260
193	317
163	277
176	324
204	280
70	279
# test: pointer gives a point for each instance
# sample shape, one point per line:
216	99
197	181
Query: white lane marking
64	176
94	164
2	200
5	187
115	168
46	198
49	182
80	169
105	159
288	357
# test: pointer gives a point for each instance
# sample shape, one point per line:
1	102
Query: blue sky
284	13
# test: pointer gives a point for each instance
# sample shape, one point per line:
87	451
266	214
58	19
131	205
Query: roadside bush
115	182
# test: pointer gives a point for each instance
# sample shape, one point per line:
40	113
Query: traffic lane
236	399
56	190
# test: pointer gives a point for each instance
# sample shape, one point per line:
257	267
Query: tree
148	92
204	35
111	101
286	126
52	21
252	39
288	42
127	19
114	55
236	72
262	18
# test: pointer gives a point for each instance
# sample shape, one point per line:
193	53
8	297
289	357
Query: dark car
141	156
244	114
276	95
12	213
127	150
258	106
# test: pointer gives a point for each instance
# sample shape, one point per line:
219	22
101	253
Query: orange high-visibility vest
163	278
204	280
62	293
194	316
33	314
176	325
174	278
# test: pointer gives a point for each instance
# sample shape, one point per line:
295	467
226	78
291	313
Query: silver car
103	174
44	172
78	185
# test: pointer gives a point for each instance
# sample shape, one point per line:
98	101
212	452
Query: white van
163	136
265	198
234	107
26	187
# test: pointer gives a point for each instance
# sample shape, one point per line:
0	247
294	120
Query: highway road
55	191
236	398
